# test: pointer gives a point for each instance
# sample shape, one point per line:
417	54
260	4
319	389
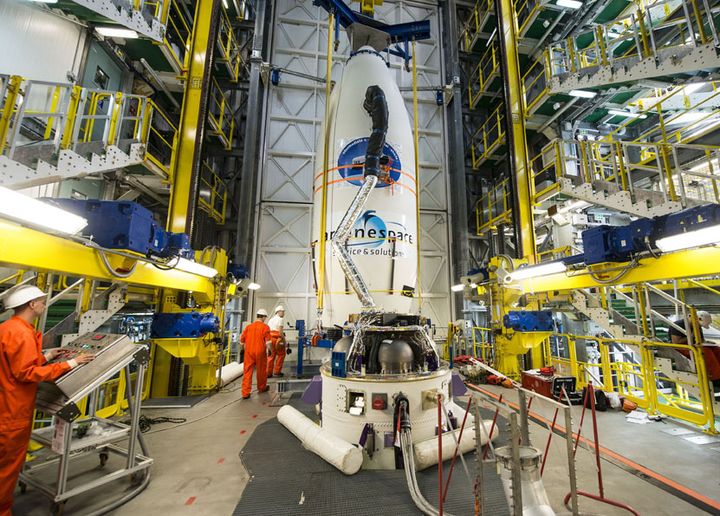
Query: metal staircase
146	18
52	131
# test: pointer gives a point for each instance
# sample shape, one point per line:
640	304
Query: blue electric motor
126	225
183	325
620	243
529	320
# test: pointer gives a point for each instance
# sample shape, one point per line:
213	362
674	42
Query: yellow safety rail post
326	166
54	103
73	107
11	94
168	147
416	141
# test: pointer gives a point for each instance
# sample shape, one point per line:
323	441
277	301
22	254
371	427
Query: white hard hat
22	295
262	312
280	308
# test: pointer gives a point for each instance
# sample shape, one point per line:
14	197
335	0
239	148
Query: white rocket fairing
383	242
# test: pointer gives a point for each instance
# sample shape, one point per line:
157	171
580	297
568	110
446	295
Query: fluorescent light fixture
45	1
692	87
697	238
116	32
585	94
225	4
626	114
185	265
24	209
253	286
570	4
458	288
535	271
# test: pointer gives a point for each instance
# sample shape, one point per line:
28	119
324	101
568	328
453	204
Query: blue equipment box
183	325
126	225
529	320
337	361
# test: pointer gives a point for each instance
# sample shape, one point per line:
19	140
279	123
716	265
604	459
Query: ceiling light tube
457	288
535	271
116	32
24	209
626	114
570	4
697	238
585	94
185	265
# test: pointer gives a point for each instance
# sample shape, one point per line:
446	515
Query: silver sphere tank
343	345
395	357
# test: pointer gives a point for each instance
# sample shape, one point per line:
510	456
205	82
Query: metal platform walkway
287	479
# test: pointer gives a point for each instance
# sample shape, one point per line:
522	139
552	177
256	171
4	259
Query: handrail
64	116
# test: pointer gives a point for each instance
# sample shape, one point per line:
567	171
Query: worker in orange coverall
22	367
256	339
277	354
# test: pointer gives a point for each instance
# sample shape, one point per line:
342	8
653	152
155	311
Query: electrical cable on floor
147	422
194	420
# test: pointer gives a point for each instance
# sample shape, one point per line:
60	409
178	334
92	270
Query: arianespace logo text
373	234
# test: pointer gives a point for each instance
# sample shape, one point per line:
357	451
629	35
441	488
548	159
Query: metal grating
287	479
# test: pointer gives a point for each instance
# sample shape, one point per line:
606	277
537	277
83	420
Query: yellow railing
472	29
57	116
220	115
213	194
488	138
535	83
493	208
178	33
487	69
666	25
685	172
228	47
636	377
482	347
161	139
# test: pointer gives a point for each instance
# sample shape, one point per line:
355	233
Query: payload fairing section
381	394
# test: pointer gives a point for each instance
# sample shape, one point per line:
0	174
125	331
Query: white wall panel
294	117
36	44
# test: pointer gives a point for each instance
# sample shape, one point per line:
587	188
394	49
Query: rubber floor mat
287	479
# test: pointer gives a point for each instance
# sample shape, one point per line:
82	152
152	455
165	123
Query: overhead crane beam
32	249
183	201
692	263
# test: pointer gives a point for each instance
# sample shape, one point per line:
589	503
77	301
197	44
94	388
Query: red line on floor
242	431
609	453
254	416
190	500
221	460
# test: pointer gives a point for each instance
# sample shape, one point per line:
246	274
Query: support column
459	205
183	198
515	131
251	171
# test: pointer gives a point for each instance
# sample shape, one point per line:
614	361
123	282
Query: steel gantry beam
31	249
183	200
693	263
515	130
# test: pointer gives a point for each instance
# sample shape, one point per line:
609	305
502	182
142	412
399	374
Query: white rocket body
383	242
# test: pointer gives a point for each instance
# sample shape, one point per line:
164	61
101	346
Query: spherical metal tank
343	345
395	356
383	242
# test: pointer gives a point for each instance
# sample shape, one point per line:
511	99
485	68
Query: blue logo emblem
373	231
352	159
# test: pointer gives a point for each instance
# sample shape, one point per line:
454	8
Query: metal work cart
70	438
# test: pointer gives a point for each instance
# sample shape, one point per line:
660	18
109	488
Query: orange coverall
277	353
21	369
254	336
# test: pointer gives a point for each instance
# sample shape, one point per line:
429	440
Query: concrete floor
198	469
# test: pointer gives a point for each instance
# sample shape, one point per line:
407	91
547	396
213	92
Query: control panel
91	343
